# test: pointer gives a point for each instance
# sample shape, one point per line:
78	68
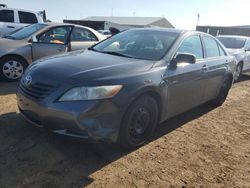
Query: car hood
7	45
82	66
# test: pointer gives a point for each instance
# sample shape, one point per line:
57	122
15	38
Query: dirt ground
205	147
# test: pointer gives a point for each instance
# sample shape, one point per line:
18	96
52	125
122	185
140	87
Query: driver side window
192	45
58	35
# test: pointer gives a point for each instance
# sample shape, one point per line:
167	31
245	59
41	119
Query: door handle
204	68
11	27
59	49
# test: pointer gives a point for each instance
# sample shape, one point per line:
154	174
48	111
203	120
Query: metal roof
140	21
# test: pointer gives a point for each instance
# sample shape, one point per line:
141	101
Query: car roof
234	36
173	30
16	9
159	29
53	24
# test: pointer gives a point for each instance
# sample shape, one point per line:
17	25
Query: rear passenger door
216	67
82	38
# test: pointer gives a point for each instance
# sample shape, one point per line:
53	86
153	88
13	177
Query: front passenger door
53	41
186	82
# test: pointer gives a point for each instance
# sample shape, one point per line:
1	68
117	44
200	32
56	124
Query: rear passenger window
79	34
211	47
27	17
6	16
193	46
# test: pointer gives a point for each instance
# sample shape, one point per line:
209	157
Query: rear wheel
222	96
12	68
238	72
139	122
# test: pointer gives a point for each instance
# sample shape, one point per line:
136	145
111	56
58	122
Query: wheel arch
15	55
152	92
230	76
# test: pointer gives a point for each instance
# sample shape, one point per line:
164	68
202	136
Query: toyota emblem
27	80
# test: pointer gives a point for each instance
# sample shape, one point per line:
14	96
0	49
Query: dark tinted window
58	35
140	44
27	17
79	34
211	47
231	42
192	45
6	16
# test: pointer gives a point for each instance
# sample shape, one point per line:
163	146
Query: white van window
27	17
6	16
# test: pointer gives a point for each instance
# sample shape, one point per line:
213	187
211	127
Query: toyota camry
120	89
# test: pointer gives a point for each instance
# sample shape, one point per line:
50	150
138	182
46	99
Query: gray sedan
121	88
33	42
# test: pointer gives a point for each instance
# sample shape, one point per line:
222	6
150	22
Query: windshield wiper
115	53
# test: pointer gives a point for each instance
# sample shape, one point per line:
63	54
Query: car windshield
234	43
140	44
25	32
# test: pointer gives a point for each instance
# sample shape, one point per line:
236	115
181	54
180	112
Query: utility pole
112	12
198	19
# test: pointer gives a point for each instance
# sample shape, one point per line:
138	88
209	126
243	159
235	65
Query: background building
122	23
231	30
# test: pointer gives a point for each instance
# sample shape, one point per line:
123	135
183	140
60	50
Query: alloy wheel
12	70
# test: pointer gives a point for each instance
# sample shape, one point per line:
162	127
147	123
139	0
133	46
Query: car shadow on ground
34	157
244	77
7	88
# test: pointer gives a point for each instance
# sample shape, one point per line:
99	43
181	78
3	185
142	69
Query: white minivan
13	19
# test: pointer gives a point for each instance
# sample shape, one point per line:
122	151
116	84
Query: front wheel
139	122
12	68
222	96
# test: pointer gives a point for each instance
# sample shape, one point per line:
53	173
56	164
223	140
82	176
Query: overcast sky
181	13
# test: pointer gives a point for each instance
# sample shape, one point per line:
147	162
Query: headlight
91	93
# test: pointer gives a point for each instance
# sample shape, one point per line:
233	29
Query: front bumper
94	120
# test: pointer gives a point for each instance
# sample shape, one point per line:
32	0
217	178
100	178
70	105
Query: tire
238	71
222	96
139	122
12	68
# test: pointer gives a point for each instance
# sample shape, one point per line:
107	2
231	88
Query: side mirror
33	39
183	58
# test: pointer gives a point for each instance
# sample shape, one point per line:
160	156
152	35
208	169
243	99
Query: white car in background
106	33
238	46
13	19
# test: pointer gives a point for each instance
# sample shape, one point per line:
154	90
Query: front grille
37	90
